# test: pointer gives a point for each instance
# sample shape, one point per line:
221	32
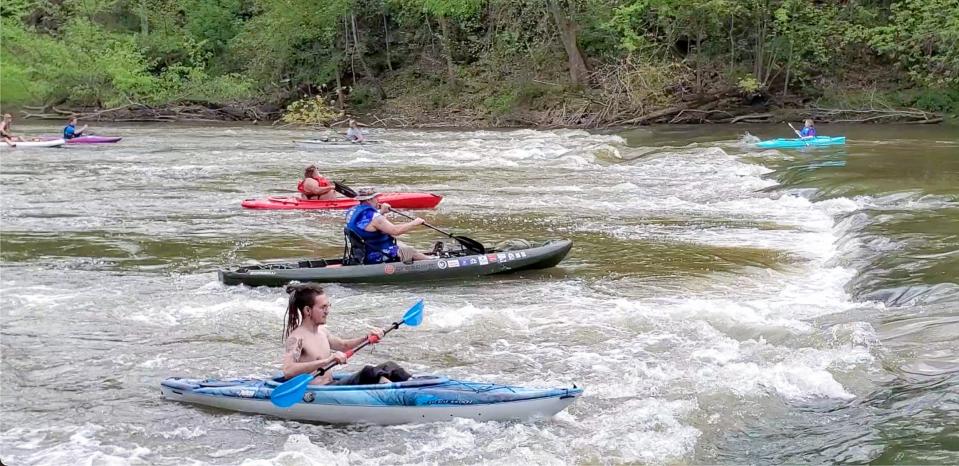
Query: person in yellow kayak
309	345
314	186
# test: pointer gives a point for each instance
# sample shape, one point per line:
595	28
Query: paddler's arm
341	344
382	224
313	188
292	366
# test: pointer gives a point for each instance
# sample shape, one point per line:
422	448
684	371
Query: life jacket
377	246
69	131
323	182
807	132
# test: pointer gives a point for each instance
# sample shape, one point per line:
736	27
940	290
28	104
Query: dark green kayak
279	273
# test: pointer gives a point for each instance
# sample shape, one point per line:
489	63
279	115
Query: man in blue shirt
368	225
70	131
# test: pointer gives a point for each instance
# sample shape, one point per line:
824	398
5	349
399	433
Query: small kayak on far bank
94	140
35	144
793	143
420	399
89	139
317	143
396	200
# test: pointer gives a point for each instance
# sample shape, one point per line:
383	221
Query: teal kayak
783	143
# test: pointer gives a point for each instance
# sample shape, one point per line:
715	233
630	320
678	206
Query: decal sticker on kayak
453	263
441	264
511	256
483	260
389	269
420	266
261	272
464	262
502	256
247	393
522	254
491	257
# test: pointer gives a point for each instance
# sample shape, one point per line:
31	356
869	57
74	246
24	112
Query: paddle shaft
351	352
424	223
798	133
470	243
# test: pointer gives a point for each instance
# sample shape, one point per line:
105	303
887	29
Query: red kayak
396	200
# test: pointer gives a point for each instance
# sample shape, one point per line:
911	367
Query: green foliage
748	84
923	36
311	111
501	103
646	52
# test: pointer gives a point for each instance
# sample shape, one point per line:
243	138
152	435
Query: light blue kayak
420	399
783	143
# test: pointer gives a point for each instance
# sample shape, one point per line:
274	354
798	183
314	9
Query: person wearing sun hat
372	236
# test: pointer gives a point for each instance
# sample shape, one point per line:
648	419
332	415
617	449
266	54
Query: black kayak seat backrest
354	249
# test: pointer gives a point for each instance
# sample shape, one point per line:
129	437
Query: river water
720	304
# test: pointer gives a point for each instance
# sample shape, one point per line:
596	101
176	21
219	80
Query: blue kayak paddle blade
414	316
291	392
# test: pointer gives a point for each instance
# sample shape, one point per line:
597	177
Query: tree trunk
447	48
340	101
386	39
578	71
347	49
360	51
144	20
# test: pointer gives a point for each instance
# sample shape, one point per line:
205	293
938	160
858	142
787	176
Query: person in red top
314	186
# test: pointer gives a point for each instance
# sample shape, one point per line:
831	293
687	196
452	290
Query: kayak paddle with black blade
469	243
343	189
291	392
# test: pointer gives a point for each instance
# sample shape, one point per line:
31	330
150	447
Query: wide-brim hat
366	194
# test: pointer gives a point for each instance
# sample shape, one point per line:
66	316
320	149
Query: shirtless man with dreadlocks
310	345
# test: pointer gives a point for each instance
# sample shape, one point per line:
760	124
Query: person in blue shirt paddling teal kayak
809	130
309	345
70	131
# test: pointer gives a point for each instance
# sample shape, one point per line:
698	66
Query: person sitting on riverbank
314	186
808	131
309	345
372	237
5	131
70	131
354	134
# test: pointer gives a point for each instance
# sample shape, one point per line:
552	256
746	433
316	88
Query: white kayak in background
34	144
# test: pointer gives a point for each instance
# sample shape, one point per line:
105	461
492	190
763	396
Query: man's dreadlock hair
300	297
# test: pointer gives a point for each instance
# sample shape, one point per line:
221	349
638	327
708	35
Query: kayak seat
416	381
313	264
354	248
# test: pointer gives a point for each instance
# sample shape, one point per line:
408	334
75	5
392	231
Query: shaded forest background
481	62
